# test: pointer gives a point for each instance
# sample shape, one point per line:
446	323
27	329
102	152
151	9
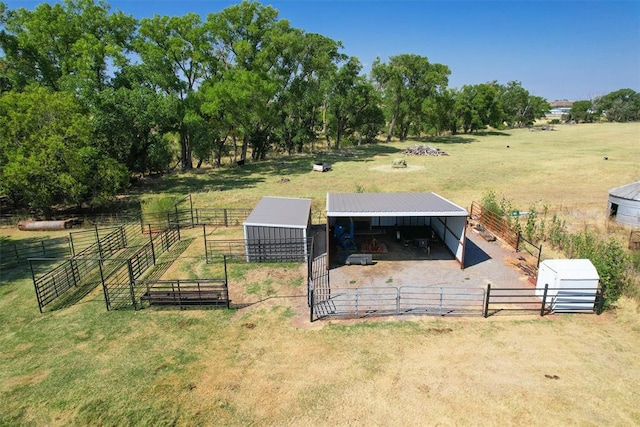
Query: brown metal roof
391	204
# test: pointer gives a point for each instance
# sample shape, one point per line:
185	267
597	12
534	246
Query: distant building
560	104
559	108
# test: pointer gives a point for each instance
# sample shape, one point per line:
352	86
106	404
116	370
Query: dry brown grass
569	370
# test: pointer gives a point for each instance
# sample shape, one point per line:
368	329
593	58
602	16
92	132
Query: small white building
572	284
624	204
278	229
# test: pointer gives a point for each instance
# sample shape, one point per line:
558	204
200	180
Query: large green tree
46	157
619	106
177	55
353	104
406	81
478	106
520	107
581	111
69	45
251	44
129	123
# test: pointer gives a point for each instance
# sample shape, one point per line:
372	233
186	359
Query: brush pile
424	150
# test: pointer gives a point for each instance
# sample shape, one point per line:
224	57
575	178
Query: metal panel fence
103	241
501	227
120	287
70	274
495	223
195	216
271	250
386	301
372	301
94	263
13	254
186	292
116	286
221	217
525	299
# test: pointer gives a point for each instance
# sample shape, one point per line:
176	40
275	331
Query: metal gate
388	301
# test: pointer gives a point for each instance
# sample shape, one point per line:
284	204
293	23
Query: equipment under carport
360	259
345	236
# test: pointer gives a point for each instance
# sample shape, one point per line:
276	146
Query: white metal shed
278	229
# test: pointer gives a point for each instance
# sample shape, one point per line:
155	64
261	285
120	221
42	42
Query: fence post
98	240
73	264
153	250
132	283
544	299
224	212
226	277
204	235
191	207
35	285
123	235
107	301
486	301
311	306
518	242
600	302
397	300
539	255
44	250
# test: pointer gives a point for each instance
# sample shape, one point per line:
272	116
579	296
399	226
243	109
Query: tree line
618	106
90	96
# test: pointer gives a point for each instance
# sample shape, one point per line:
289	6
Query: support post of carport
327	236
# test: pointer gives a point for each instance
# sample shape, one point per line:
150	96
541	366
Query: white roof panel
391	204
280	212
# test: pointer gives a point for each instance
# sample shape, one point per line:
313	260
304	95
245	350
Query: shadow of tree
254	172
448	139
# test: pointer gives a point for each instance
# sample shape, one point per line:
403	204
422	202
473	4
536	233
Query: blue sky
572	50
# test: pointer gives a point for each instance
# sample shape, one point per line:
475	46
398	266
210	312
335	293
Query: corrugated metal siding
628	212
275	243
629	191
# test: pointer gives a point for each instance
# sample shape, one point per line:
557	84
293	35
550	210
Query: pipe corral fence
117	257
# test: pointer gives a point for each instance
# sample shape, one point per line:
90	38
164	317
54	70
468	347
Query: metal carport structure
381	210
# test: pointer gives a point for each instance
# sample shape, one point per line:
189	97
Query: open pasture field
564	168
264	363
